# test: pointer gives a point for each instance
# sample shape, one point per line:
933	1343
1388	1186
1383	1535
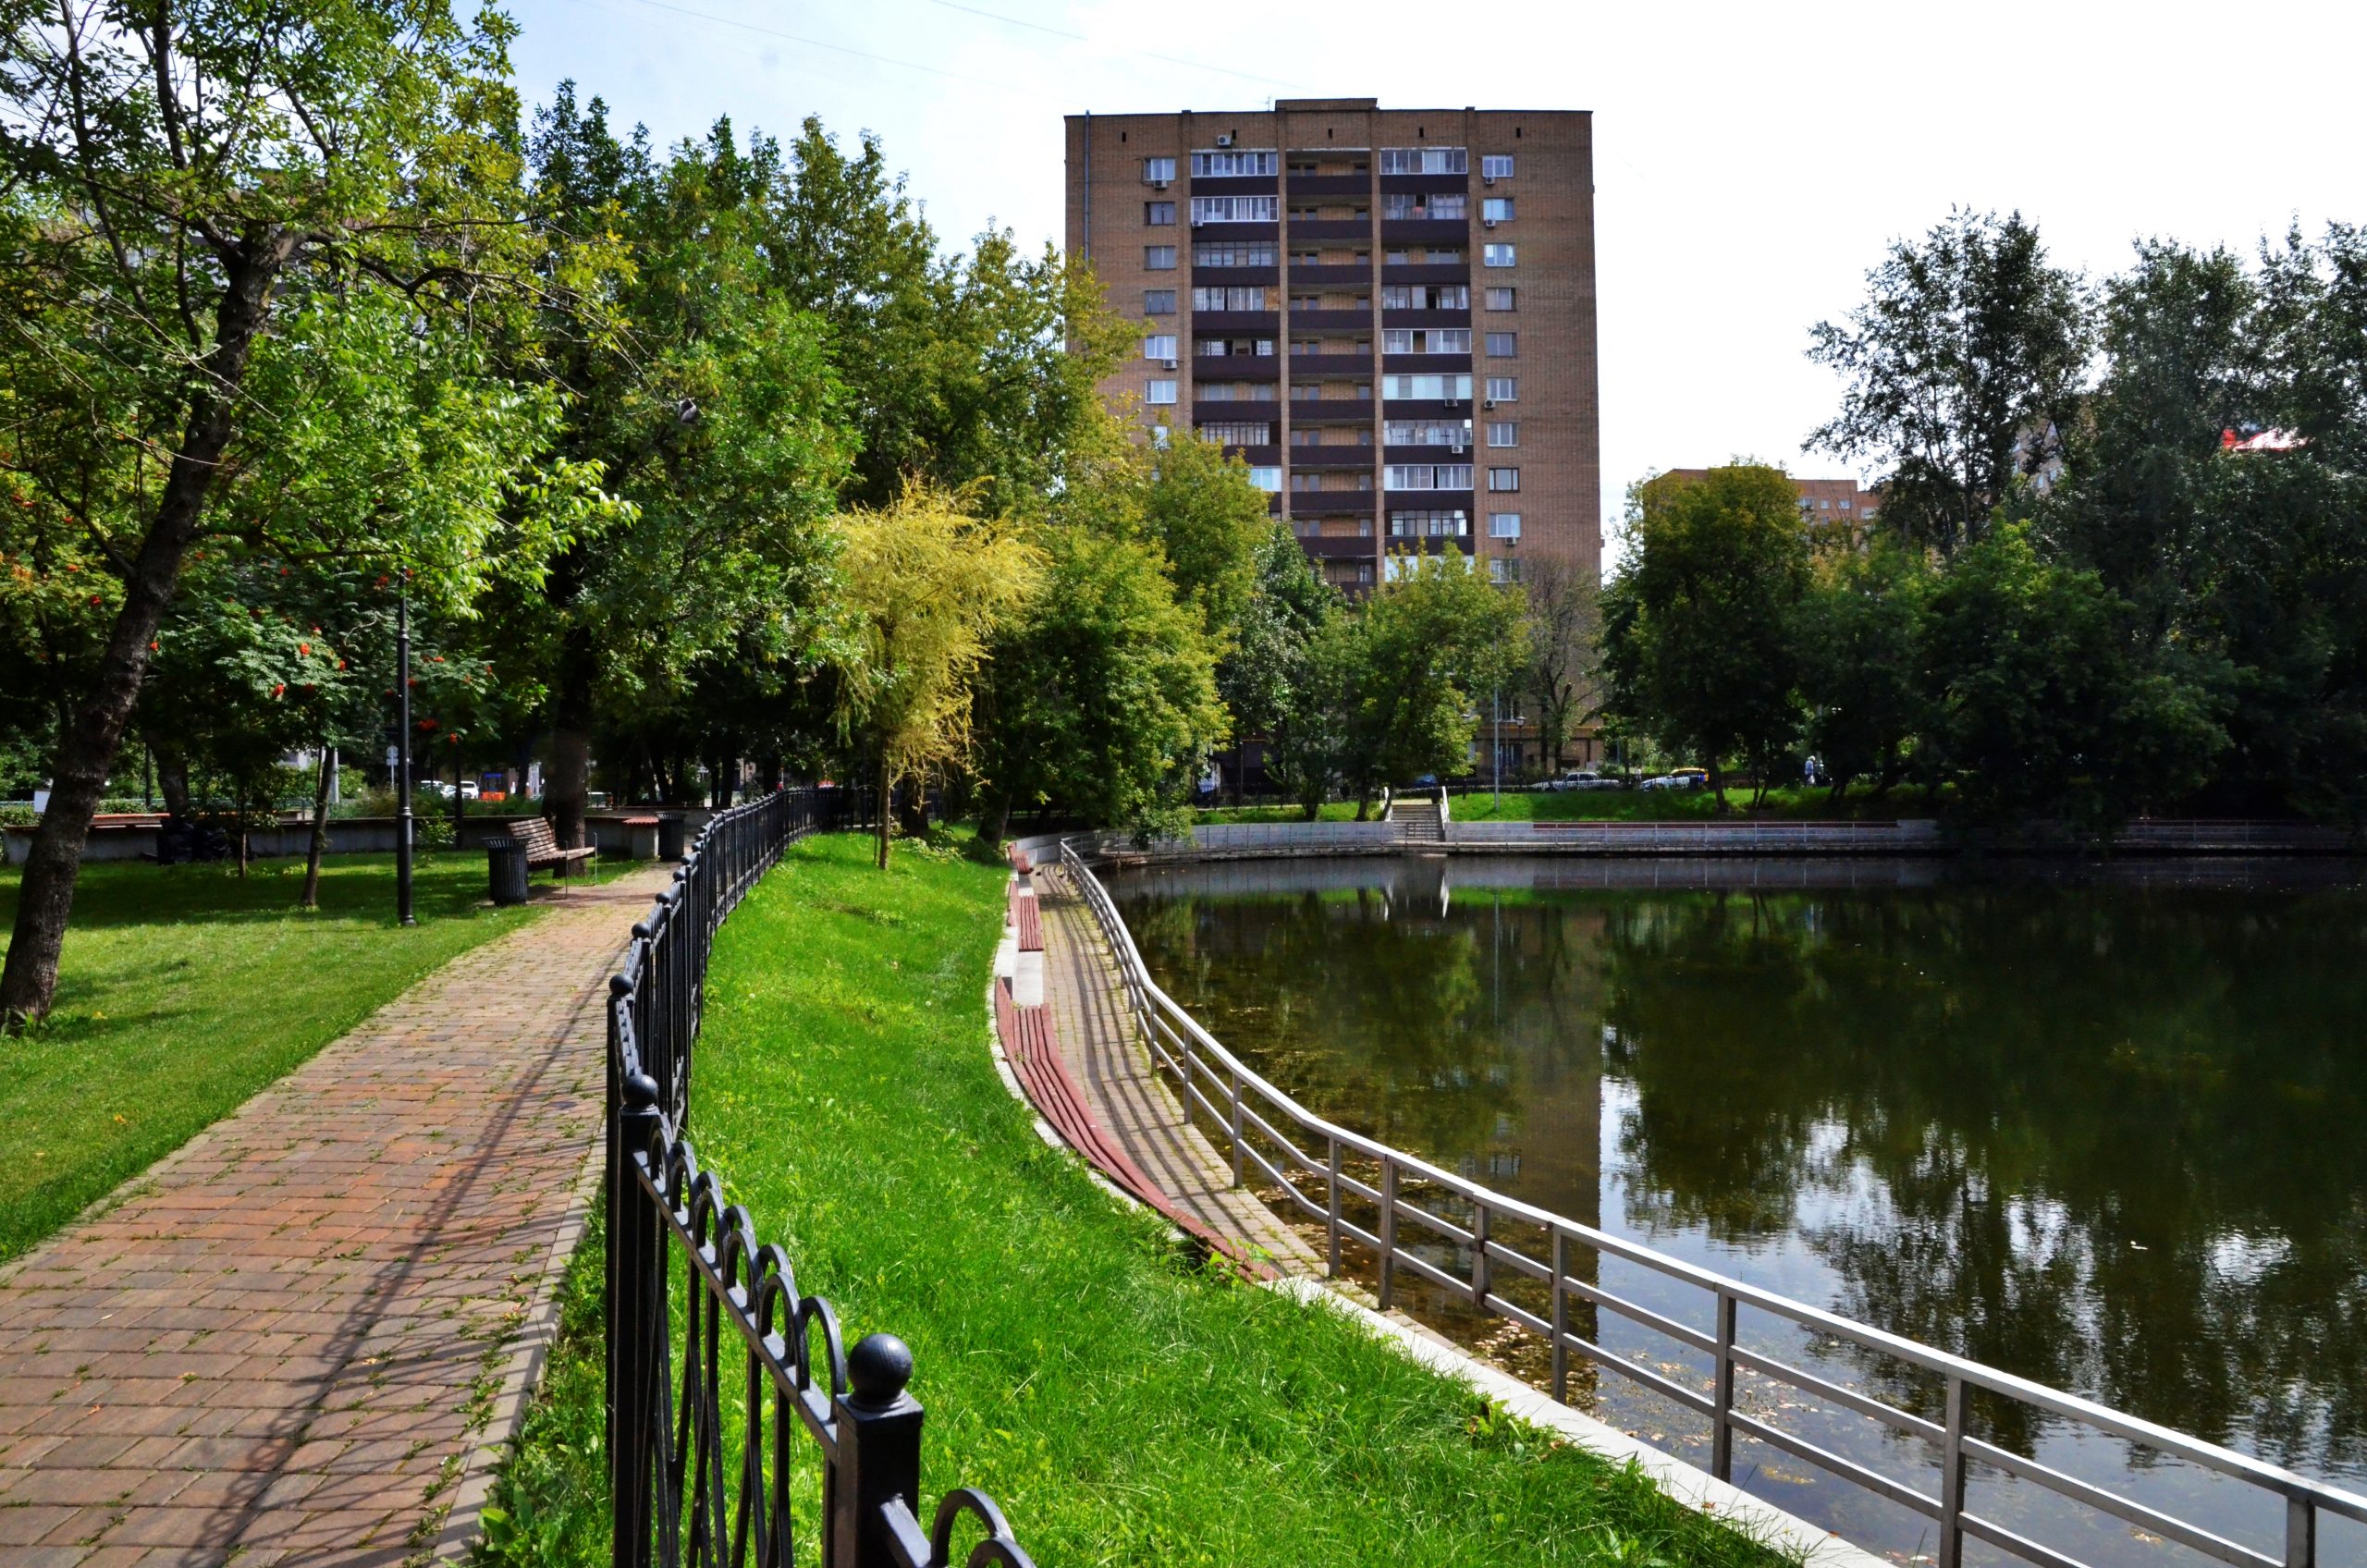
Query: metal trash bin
506	869
669	836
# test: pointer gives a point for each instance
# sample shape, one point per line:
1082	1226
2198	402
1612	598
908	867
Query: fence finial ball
877	1369
640	1091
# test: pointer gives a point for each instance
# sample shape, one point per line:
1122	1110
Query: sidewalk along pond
2096	1128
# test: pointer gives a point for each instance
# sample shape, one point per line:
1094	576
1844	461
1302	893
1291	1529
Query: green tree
1421	654
1564	649
172	173
1269	677
1962	368
1857	633
927	586
1697	625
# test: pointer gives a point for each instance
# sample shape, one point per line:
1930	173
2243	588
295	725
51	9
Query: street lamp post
402	757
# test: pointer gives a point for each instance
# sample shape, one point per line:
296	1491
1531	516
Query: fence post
1331	1215
1952	1479
1478	1255
878	1454
1721	1397
1388	1230
1561	1317
1237	1127
2300	1533
639	1268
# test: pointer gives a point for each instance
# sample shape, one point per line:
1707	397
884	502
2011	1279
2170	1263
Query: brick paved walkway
1128	1098
305	1336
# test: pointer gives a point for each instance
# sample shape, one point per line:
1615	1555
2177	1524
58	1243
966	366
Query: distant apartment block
1824	503
1389	314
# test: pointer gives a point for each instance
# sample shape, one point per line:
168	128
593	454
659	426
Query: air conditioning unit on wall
1224	140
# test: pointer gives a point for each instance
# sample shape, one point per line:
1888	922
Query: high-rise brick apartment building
1389	314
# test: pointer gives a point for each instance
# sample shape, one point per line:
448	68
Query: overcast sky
1751	161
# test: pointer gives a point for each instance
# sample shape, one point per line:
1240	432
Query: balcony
1322	410
1423	231
1240	185
1235	233
1337	321
1236	410
1331	185
1429	501
1305	274
1425	318
1457	408
1423	184
1335	503
1338	546
1236	367
1224	323
1323	228
1303	366
1258	457
1442	454
1332	457
1421	364
1238	278
1408	272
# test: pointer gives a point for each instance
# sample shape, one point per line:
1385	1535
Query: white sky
1751	161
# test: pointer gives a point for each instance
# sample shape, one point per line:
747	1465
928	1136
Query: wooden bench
541	847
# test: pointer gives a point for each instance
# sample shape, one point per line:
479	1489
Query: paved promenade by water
305	1336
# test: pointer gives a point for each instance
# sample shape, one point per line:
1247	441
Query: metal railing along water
1268	1132
693	1480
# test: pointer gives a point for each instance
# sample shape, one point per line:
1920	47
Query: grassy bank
184	990
1633	806
1124	1404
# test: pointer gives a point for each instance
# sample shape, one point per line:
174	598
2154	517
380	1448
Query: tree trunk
172	781
319	846
46	896
565	795
1718	785
994	819
886	786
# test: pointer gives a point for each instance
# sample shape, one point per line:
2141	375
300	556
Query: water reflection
2099	1131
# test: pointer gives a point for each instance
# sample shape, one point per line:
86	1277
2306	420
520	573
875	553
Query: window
1499	570
1503	345
1349	574
1503	389
1503	299
1158	257
1235	209
1158	301
1503	479
1425	160
1496	256
1161	437
1504	525
1159	215
1398	204
1496	209
1158	171
1251	299
1239	434
1429	525
1161	392
1235	391
1503	432
1253	254
1159	346
1496	166
1426	340
1270	480
1425	296
1425	476
1236	161
1427	386
1845	506
1426	433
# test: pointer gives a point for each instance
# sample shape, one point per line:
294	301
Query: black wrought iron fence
734	1409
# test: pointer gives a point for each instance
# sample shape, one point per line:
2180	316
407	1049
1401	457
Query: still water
2103	1129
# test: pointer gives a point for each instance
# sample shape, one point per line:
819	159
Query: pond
2103	1128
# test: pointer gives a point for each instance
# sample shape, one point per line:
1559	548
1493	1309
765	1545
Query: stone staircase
1418	821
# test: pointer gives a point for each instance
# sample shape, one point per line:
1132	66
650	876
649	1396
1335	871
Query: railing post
1952	1479
2300	1533
1561	1317
1388	1230
1237	1127
1331	1214
878	1454
639	1270
1722	1396
1478	1255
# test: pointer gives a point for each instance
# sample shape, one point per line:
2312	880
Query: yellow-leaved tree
927	585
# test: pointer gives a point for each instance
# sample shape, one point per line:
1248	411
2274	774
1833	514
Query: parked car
1585	778
1664	781
1690	777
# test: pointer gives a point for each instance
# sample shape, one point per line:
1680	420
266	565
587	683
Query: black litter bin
669	836
506	867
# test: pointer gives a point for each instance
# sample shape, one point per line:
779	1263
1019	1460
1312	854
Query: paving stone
266	1350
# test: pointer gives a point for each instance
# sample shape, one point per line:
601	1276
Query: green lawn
1632	805
1124	1404
184	990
